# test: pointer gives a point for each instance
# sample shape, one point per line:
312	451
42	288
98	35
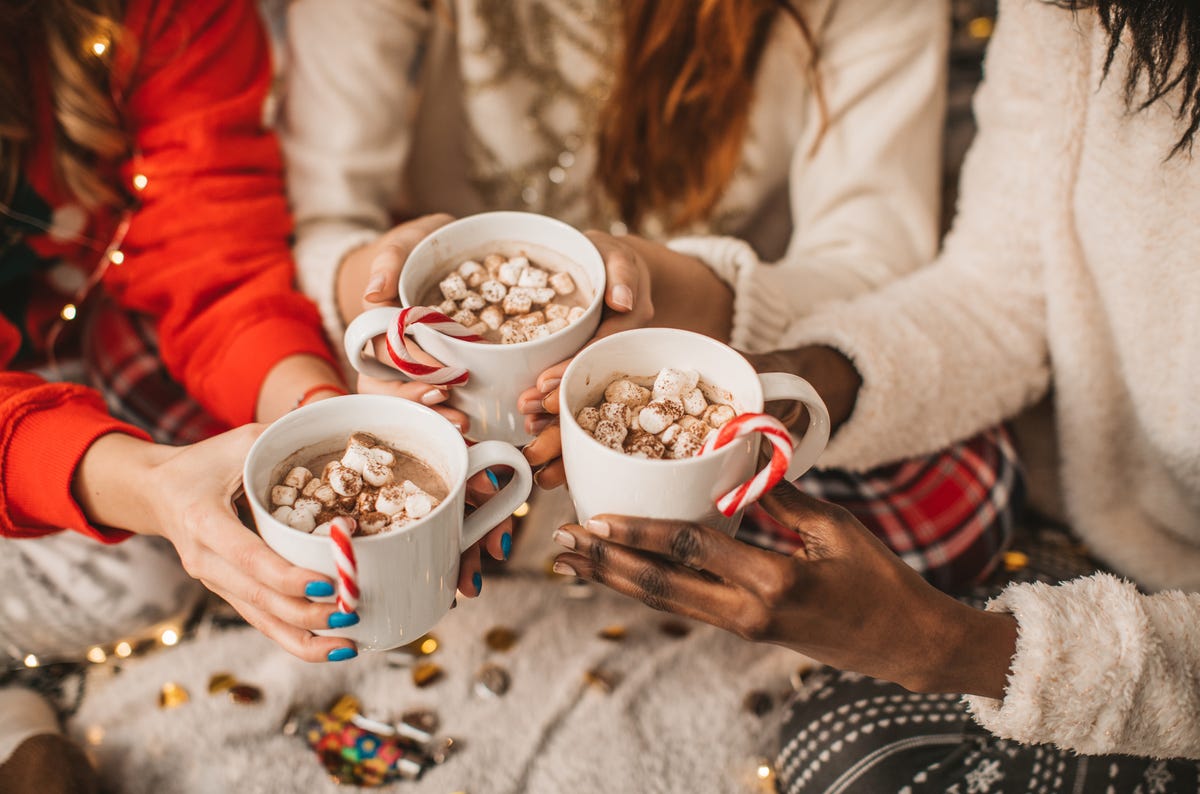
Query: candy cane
743	425
426	373
340	530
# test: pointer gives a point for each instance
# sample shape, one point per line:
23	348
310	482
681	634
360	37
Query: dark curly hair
1164	41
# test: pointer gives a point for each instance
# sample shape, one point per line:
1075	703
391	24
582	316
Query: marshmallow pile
509	300
362	485
671	419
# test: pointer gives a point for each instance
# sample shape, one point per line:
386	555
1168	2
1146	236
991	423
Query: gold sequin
603	680
426	674
1015	560
501	638
172	695
980	28
614	633
220	682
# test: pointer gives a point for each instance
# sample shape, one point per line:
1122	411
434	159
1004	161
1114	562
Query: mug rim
568	415
499	215
459	451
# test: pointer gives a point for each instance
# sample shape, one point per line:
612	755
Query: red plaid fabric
121	357
950	516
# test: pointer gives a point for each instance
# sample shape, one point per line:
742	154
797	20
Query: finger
819	524
550	402
498	541
295	611
656	583
408	390
384	280
229	541
298	642
621	272
470	573
551	476
545	448
549	379
379	348
686	543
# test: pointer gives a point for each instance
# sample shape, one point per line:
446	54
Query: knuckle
259	597
686	544
597	553
754	624
654	588
777	583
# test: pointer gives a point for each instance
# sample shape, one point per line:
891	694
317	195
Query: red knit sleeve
207	252
45	429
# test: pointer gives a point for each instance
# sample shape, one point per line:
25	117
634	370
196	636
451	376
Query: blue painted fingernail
491	475
316	589
477	580
340	620
506	544
341	654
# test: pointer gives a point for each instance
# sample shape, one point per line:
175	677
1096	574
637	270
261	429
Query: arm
865	205
960	346
207	251
347	132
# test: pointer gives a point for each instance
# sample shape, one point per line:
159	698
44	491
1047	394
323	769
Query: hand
827	369
185	494
844	599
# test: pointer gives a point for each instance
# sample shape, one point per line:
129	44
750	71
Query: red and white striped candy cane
340	530
738	427
426	373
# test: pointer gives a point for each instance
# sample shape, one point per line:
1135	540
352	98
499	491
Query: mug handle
501	506
784	386
360	332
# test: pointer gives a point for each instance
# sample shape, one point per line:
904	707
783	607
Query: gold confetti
172	695
491	681
1015	560
675	628
501	638
244	694
221	682
614	633
603	680
426	674
345	707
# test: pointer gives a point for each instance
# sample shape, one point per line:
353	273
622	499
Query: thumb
383	282
819	524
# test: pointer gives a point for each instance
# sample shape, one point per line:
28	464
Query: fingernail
538	425
317	589
433	397
564	539
374	285
340	620
564	569
549	385
622	297
341	654
531	405
477	580
506	544
493	479
598	528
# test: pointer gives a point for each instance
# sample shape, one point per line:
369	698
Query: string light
170	637
116	257
123	649
980	28
99	47
68	312
97	655
140	181
429	645
522	511
31	661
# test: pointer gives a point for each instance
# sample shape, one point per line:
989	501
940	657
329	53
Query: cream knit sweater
395	110
1072	264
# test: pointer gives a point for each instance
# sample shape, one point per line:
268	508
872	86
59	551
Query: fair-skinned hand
844	599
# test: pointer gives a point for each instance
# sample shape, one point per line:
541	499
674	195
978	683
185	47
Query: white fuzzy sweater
394	110
1072	266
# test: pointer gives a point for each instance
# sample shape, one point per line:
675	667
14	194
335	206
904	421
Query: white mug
407	577
498	373
602	480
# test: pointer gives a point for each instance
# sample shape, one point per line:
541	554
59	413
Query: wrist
830	372
296	380
112	482
968	652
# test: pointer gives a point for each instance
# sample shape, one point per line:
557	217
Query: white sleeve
865	204
1100	668
960	345
347	128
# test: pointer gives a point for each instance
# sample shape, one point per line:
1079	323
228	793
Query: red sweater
207	251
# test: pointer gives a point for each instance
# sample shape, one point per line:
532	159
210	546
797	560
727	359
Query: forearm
830	373
289	381
110	482
965	651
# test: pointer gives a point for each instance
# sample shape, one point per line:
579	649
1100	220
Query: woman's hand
844	599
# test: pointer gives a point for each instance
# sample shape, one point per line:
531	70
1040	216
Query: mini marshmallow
470	267
330	466
717	415
382	455
302	520
391	500
542	295
557	311
306	505
453	287
539	332
645	445
346	504
325	529
576	314
283	495
377	474
533	277
620	413
419	505
345	481
562	283
658	415
447	307
669	435
311	487
673	382
356	458
281	514
298	477
685	446
409	488
398	522
694	402
325	495
511	334
361	439
531	320
510	271
365	502
473	301
465	317
492	317
372	523
626	392
492	263
479	328
475	279
493	291
611	434
554	326
587	418
517	303
690	424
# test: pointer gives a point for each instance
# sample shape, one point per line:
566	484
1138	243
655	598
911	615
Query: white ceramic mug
407	577
498	373
602	480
